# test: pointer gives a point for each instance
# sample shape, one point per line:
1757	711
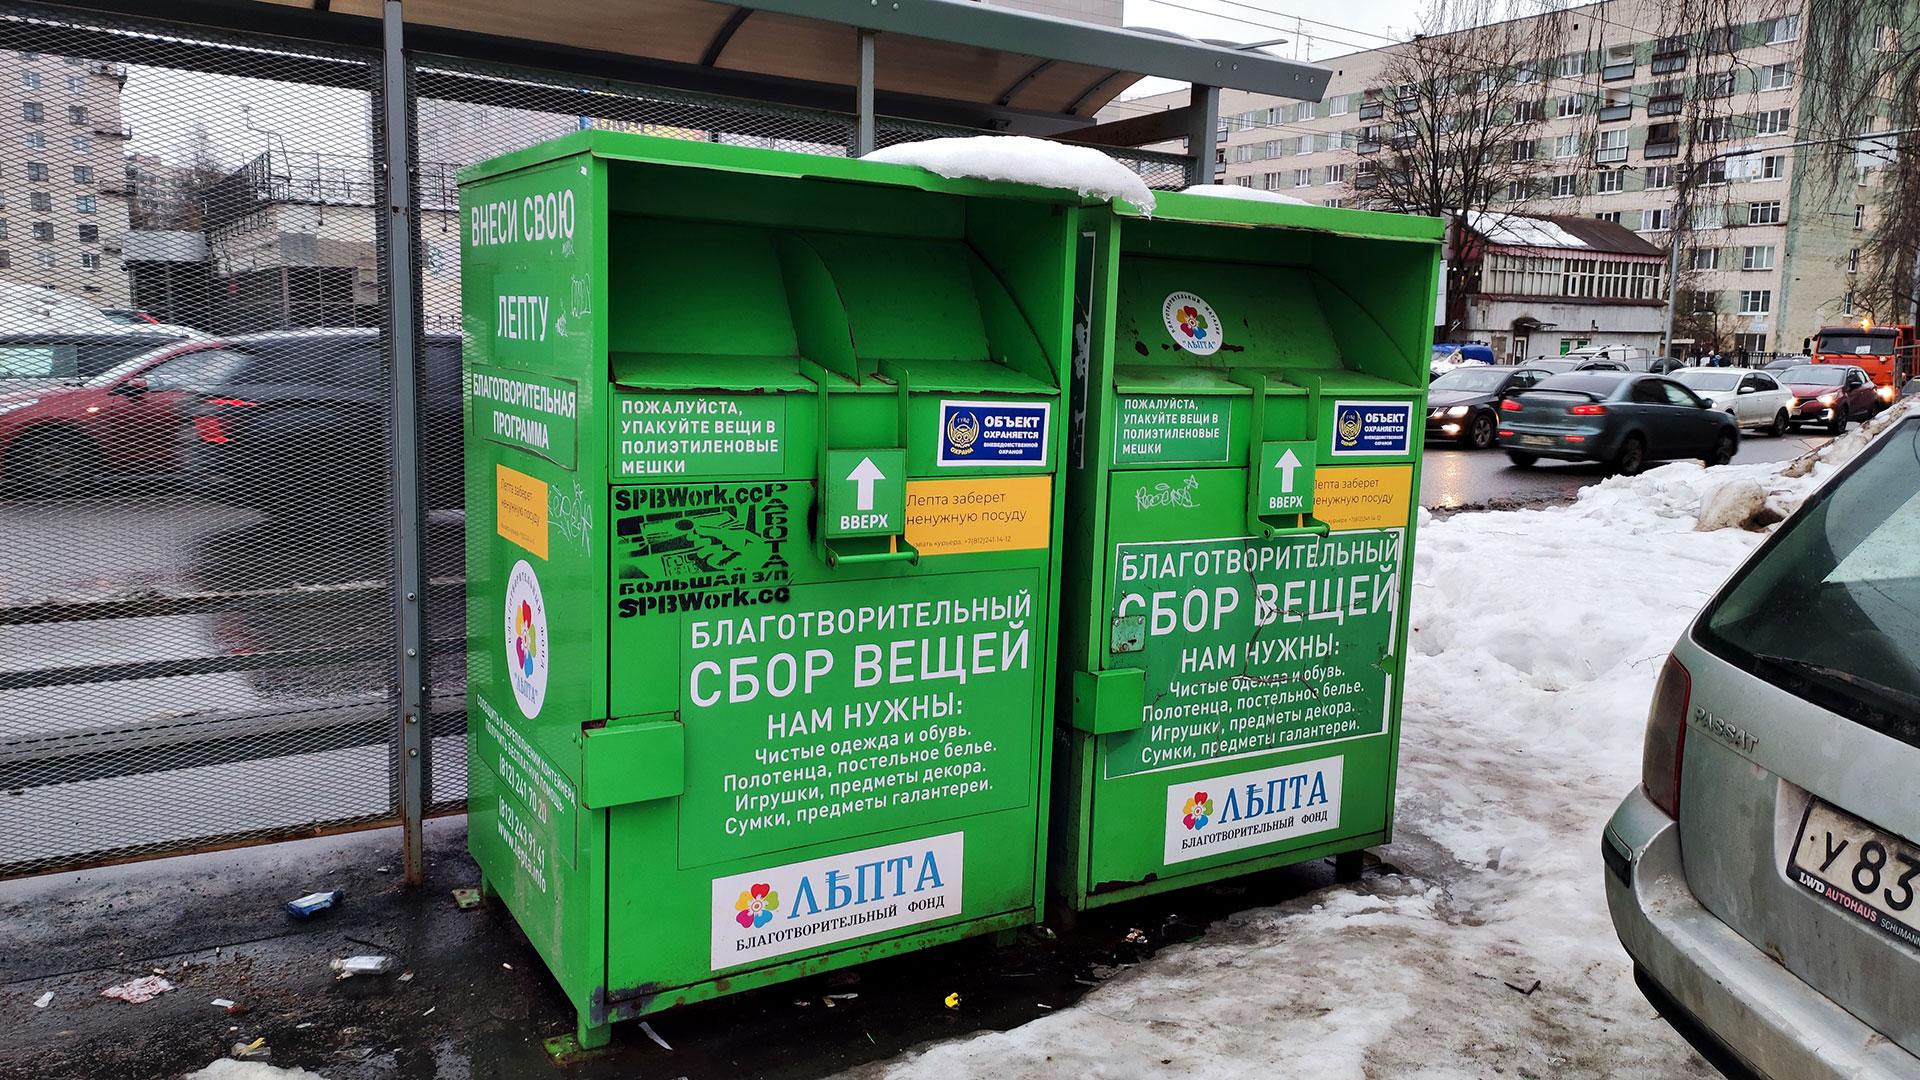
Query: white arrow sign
864	474
1287	464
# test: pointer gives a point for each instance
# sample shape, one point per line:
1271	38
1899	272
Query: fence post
409	541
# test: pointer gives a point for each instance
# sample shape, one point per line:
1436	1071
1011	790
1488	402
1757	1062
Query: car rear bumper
1741	998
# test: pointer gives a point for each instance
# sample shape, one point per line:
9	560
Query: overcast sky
1313	29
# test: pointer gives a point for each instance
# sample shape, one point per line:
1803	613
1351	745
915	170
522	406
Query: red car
54	440
1832	395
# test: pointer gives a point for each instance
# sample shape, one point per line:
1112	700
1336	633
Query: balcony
1406	105
1372	110
1661	150
1366	182
1367	146
1664	106
1616	72
1668	63
1610	113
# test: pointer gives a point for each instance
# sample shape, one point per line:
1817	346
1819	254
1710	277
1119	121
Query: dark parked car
1623	418
1464	403
1831	394
1786	362
58	439
302	418
1657	365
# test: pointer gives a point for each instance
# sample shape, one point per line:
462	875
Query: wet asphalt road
1457	479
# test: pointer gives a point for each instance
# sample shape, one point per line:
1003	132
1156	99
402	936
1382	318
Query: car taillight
1666	738
232	403
1509	405
210	428
1588	410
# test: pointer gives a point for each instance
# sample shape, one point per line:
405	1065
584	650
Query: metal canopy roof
951	50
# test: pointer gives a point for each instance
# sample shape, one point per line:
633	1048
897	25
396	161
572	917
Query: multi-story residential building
1101	12
63	196
1766	258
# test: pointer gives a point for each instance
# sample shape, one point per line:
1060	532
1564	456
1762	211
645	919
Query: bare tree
1860	66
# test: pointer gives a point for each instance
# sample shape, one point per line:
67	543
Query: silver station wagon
1765	878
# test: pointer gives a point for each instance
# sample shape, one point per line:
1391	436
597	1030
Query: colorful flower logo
755	907
1192	323
1198	811
526	639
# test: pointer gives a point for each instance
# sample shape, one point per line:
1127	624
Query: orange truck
1887	353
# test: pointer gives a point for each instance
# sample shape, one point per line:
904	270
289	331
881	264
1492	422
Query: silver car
1765	878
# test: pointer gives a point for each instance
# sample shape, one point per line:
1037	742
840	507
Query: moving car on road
1625	419
1561	365
59	439
1787	363
1765	876
1448	356
1833	395
39	360
1753	398
300	418
1464	403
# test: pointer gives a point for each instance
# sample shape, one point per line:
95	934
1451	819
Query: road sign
866	493
1286	477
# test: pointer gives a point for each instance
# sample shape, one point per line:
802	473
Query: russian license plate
1873	876
1536	440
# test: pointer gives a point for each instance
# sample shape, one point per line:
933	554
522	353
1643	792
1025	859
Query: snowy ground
1536	639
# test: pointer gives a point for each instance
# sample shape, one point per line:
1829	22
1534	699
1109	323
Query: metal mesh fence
194	441
198	530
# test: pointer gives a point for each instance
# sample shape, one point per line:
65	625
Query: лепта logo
526	639
1192	323
756	906
1197	812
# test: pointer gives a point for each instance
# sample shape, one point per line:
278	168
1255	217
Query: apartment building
1767	259
63	197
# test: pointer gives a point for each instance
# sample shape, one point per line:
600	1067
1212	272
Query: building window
1715	128
40	201
1570	66
1529	110
1846	304
1566	146
83	174
1518	191
1305	111
89	261
1853	254
1521	150
1570	106
1337	174
36	140
89	234
76	114
83	144
1659	176
75	84
1706	258
1338	107
1773	166
43	231
1763	213
84	204
1756	301
1779	76
1773	122
43	259
1717	86
1335	203
30	80
1655	219
1757	258
33	112
6	259
1612	147
1303	178
1609	181
1609	215
37	171
1786	28
1704	302
1859	215
1563	187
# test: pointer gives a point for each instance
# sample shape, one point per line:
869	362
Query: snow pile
1022	160
1536	638
229	1069
1246	194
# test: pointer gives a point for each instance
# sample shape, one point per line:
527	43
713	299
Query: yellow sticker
520	509
979	513
1364	497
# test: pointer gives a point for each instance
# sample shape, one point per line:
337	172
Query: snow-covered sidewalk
1537	635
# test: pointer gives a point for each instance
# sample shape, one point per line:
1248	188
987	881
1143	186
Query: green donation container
763	508
1243	460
